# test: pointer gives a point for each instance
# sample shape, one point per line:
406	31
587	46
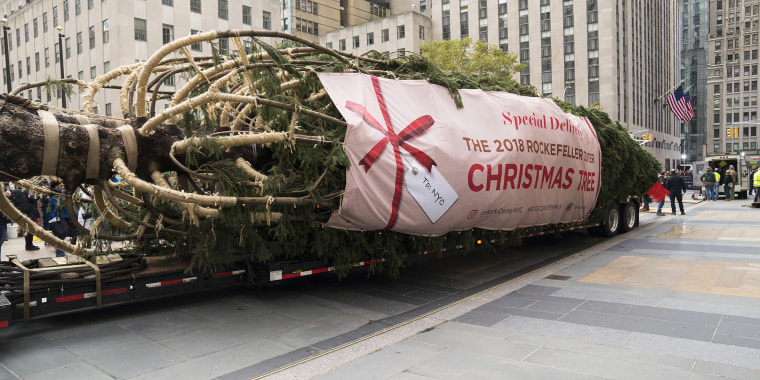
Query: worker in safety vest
756	183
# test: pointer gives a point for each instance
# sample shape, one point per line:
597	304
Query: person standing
708	178
59	215
676	187
28	206
752	181
728	183
757	186
3	226
663	181
716	189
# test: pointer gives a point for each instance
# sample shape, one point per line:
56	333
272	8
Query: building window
168	2
78	7
108	107
401	53
356	42
44	22
28	66
170	80
400	32
18	37
224	46
370	38
35	28
195	6
464	26
90	4
26	32
79	43
329	45
47	57
384	35
65	10
342	45
92	37
141	31
106	67
93	72
196	46
422	32
37	61
168	33
105	31
224	13
68	47
55	16
267	20
246	15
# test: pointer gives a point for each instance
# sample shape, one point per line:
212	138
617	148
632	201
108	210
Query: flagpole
671	89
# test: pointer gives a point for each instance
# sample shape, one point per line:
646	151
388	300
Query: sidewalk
15	246
677	298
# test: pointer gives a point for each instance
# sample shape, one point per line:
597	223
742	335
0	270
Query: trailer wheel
611	222
628	217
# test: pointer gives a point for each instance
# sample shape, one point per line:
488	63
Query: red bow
417	128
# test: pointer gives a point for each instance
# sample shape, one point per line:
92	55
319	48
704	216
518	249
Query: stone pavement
677	299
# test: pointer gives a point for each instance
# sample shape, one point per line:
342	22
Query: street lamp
564	92
6	28
60	55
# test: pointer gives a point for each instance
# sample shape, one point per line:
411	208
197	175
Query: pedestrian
757	186
729	182
752	181
663	181
708	178
716	189
676	187
60	223
3	226
44	207
28	206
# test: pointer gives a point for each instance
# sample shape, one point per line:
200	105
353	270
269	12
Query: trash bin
12	231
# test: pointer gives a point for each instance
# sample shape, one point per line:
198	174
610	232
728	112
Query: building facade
100	36
696	27
732	78
309	19
393	36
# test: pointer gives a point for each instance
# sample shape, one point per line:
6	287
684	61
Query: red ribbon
415	129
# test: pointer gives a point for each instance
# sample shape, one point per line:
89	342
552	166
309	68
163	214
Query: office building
100	36
732	77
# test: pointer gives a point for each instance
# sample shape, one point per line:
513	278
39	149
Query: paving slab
460	364
385	363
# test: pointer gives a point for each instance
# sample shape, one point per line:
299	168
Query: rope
130	144
82	119
93	152
52	142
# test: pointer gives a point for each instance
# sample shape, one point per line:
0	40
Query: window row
167	31
307	6
306	26
370	38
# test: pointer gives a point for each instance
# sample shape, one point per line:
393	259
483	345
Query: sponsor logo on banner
420	165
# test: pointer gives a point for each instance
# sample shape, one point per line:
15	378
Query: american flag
680	105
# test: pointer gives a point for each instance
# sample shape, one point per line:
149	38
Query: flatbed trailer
152	279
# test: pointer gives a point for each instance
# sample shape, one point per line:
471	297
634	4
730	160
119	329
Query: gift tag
430	190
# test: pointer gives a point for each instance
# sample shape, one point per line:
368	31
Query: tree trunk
22	146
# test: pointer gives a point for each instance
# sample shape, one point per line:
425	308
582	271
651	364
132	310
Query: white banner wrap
422	166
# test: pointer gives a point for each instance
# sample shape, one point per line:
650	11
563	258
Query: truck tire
628	216
611	222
